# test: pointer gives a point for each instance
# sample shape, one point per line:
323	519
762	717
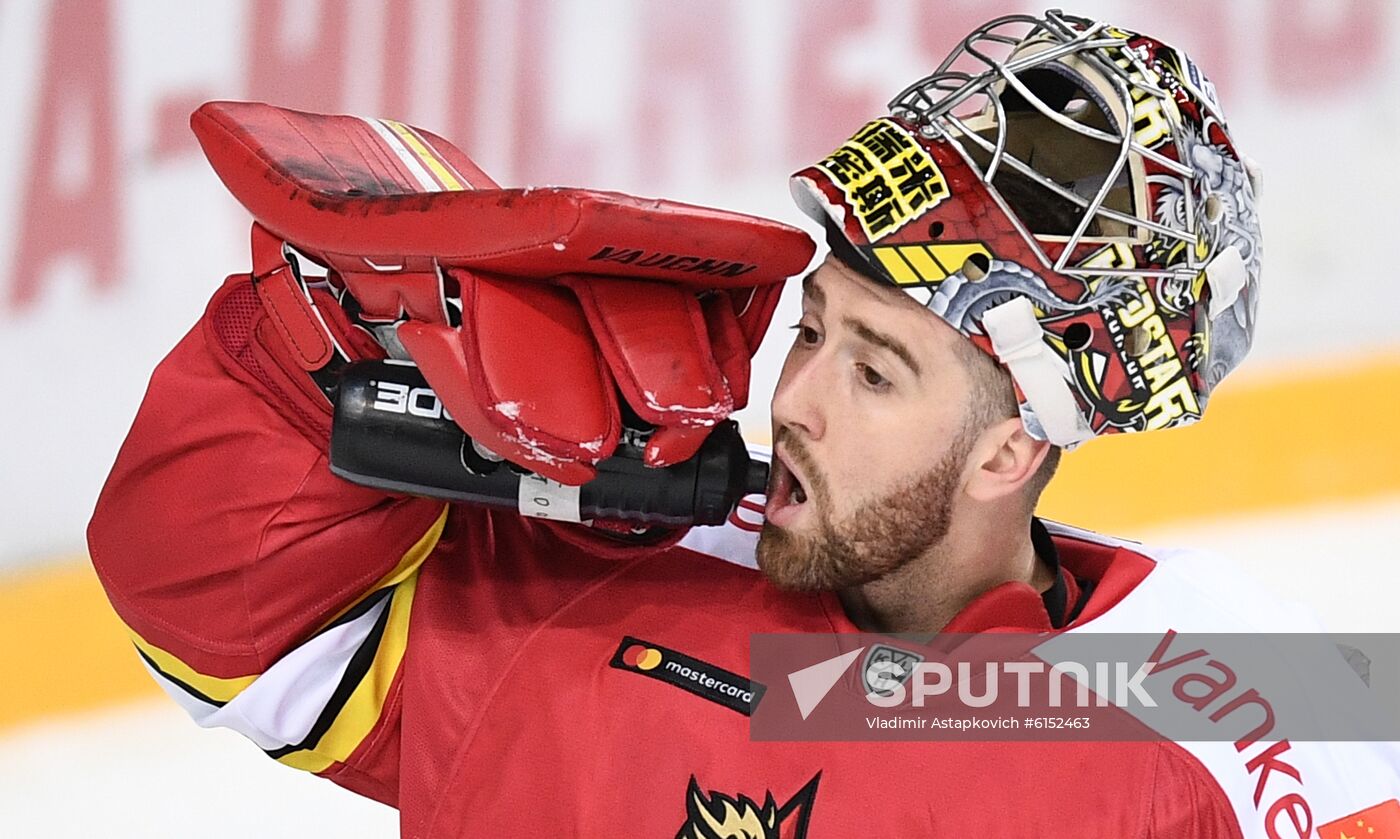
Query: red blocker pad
568	296
344	188
536	390
658	345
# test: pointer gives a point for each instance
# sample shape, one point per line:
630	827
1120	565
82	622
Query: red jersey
479	670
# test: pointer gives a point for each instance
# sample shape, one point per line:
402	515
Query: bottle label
542	498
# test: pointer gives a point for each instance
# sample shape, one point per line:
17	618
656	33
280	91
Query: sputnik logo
885	678
810	685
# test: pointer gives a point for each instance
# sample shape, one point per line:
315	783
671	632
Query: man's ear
1003	460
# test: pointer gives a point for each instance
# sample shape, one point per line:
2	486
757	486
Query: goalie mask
1066	194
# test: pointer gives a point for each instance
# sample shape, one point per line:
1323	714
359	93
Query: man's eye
872	377
806	334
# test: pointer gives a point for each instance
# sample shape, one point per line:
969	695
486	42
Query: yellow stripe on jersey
439	167
414	556
214	687
406	567
363	709
225	689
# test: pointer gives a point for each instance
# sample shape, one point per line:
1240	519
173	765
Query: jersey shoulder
1229	651
1150	587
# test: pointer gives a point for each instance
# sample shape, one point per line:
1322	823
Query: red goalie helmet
1066	194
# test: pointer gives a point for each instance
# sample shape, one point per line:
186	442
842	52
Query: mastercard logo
641	657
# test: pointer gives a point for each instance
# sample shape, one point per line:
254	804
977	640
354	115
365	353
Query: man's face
870	436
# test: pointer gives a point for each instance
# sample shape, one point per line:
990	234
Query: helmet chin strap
1017	338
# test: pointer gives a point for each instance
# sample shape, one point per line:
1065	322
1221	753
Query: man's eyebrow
812	290
880	339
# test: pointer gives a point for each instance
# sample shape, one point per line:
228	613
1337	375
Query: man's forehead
834	278
832	273
885	316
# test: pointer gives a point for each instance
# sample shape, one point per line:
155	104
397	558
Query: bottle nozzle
756	478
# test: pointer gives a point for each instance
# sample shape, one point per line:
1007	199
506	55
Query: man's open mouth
787	493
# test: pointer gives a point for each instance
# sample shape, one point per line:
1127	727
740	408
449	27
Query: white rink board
145	772
705	102
1343	562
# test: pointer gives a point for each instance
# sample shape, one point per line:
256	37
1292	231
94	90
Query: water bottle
391	432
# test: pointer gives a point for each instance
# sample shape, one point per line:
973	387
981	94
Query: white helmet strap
1019	342
1227	277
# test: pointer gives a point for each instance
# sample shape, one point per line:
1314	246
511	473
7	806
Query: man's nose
798	400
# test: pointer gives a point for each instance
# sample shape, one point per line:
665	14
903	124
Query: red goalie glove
526	309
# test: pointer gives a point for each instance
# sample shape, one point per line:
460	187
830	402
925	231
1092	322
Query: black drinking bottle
391	432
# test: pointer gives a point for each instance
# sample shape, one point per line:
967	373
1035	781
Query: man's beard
879	537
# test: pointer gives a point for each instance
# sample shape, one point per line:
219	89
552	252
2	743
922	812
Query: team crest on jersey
886	667
720	816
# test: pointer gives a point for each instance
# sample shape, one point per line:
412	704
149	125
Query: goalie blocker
539	317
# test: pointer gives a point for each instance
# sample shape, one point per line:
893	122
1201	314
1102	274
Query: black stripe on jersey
355	672
359	608
192	691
